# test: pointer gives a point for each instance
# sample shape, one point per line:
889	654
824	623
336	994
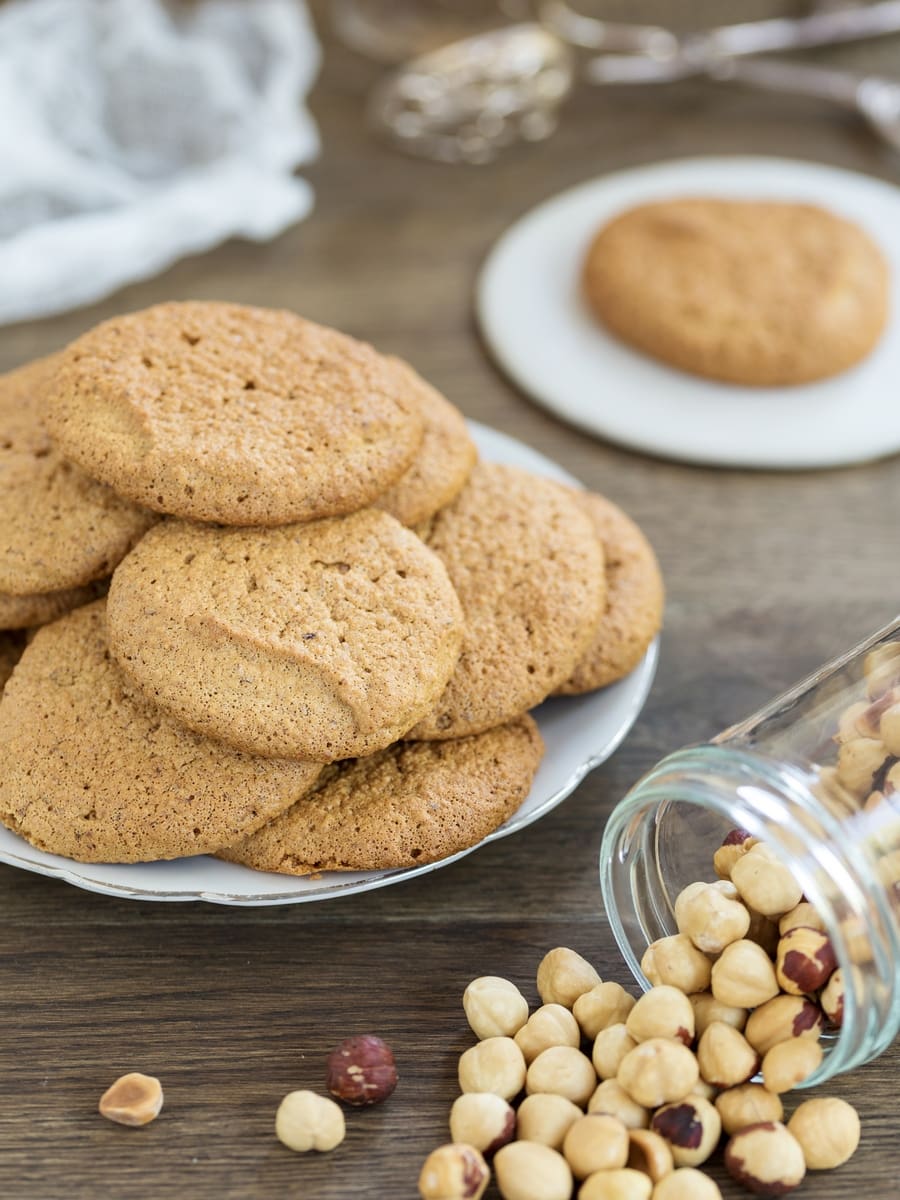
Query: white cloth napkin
134	132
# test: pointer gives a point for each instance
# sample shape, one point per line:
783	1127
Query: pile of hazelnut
627	1097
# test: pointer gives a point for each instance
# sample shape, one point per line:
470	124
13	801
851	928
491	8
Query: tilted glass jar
816	775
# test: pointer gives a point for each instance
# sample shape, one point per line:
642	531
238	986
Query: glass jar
815	774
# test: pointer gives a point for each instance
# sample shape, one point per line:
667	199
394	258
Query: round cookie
90	771
444	461
760	293
59	529
413	803
11	647
320	641
247	416
634	599
27	612
528	569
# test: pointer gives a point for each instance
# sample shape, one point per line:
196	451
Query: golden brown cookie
320	641
528	569
442	464
11	647
248	416
760	293
90	771
634	599
413	803
26	612
58	528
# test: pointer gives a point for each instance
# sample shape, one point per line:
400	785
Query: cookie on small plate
528	569
89	770
319	641
634	599
245	416
441	466
411	804
752	292
59	529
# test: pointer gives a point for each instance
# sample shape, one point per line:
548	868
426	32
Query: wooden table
768	575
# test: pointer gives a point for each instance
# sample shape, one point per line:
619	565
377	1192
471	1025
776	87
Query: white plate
543	335
580	732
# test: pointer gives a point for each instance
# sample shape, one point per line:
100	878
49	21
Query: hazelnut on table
494	1007
746	1105
493	1065
708	1009
711	916
610	1097
610	1047
765	1159
657	1072
783	1018
828	1132
306	1121
604	1005
134	1099
743	976
361	1070
482	1120
563	976
692	1127
649	1153
564	1071
677	962
765	884
790	1063
549	1025
687	1184
622	1184
546	1118
804	961
453	1172
530	1171
664	1011
725	1057
596	1142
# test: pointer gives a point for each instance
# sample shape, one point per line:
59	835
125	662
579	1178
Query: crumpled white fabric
134	132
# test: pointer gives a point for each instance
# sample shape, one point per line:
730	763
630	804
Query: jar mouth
662	837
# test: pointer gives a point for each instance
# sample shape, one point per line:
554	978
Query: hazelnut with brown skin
687	1183
765	1159
482	1120
604	1005
664	1012
658	1072
544	1117
692	1127
564	1071
530	1171
610	1047
676	962
736	844
549	1025
828	1132
453	1172
832	998
621	1184
790	1063
361	1070
804	961
563	976
725	1057
649	1153
711	916
743	976
492	1065
494	1007
765	883
746	1105
610	1097
708	1009
596	1142
781	1019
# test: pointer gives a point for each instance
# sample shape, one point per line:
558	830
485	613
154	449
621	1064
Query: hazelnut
610	1047
649	1153
596	1142
530	1171
803	914
563	976
804	961
494	1007
710	917
881	667
725	1057
305	1121
657	1072
662	1012
687	1183
361	1070
853	723
780	1019
544	1117
621	1184
735	846
676	962
692	1127
708	1009
827	1130
564	1071
890	729
550	1025
765	883
134	1099
604	1005
610	1097
704	1089
858	762
832	998
743	975
765	1159
482	1120
453	1172
746	1105
790	1063
493	1065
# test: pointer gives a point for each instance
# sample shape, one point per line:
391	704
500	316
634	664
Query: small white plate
543	335
580	733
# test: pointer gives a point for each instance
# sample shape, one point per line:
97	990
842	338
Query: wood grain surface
768	575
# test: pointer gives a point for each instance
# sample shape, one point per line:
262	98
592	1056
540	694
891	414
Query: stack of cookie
325	622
